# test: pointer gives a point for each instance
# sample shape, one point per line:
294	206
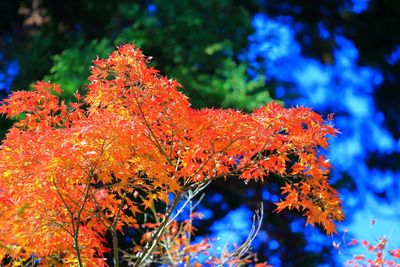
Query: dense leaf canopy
66	169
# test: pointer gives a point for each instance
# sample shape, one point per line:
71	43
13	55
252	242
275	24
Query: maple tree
72	172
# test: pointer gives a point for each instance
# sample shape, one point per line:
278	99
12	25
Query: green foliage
236	88
72	65
203	53
196	42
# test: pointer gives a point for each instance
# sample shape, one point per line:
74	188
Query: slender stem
78	222
154	239
80	209
113	229
115	246
77	249
155	139
75	230
189	232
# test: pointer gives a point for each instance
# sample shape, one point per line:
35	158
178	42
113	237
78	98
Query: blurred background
335	56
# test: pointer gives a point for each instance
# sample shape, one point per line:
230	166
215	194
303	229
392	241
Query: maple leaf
395	253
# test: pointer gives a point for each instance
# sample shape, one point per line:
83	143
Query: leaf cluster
70	173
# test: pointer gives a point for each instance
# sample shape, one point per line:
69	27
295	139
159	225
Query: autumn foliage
372	254
71	172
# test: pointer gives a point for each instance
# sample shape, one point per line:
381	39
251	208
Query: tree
198	44
70	173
